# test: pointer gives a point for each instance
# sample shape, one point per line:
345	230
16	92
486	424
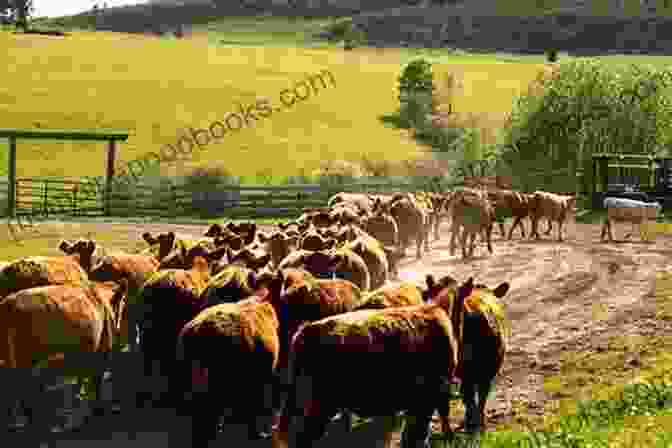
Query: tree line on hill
18	10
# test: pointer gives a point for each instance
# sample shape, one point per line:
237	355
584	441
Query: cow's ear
466	288
262	261
431	283
337	259
252	280
329	243
292	240
149	239
66	246
501	290
90	247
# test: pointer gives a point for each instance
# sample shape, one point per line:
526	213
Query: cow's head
83	249
322	264
214	230
248	258
435	289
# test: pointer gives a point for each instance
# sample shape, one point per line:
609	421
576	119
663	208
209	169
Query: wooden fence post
173	192
45	205
11	192
111	155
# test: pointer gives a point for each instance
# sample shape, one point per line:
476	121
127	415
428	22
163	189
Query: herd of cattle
306	310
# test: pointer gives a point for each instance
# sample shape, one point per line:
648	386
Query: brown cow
554	207
472	214
312	240
31	272
482	346
346	213
167	301
252	259
372	253
164	244
415	346
279	245
405	294
361	201
57	326
341	263
245	335
135	269
412	221
382	227
510	203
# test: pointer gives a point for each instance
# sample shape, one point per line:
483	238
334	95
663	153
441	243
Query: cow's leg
604	229
560	230
416	434
483	391
258	410
453	237
418	246
316	418
488	236
535	225
550	226
443	409
387	425
518	221
205	419
471	413
437	224
463	241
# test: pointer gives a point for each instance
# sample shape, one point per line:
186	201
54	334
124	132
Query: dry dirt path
569	296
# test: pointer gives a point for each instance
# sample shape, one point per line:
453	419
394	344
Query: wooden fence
61	197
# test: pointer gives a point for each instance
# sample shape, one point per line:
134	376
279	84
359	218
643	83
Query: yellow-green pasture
157	87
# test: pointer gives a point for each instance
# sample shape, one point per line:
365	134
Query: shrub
552	55
204	177
339	30
375	168
414	111
337	172
416	78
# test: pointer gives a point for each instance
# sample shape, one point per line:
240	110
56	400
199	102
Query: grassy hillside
156	87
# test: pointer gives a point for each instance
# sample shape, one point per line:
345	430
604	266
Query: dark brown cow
415	346
481	350
246	335
510	203
168	300
279	245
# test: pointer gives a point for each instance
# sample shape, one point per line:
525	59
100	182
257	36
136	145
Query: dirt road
569	296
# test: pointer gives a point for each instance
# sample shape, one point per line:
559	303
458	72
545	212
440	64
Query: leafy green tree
585	107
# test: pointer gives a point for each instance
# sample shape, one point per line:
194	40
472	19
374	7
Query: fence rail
51	198
63	197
